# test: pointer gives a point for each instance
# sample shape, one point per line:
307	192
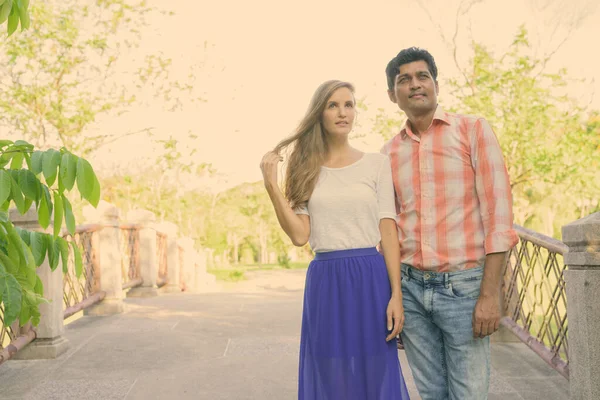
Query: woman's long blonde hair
309	147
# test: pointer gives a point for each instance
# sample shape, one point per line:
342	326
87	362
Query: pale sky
266	57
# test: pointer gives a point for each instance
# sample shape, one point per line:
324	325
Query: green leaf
5	10
15	249
39	286
24	145
10	292
43	212
25	314
9	263
24	234
78	260
36	161
17	196
3	216
5	186
5	142
30	267
85	178
53	251
58	213
17	161
29	184
27	204
69	217
28	161
13	23
50	162
24	16
95	195
4	159
38	246
45	208
63	246
68	170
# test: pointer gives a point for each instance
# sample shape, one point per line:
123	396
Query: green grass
228	275
236	273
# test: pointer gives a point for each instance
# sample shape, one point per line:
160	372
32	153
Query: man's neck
420	123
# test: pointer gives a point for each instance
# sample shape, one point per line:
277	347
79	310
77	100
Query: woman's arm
391	254
297	227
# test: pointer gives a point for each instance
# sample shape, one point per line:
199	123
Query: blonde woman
341	200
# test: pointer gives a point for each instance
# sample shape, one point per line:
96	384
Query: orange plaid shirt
453	195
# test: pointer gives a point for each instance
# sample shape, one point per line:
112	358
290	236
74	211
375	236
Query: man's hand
395	317
486	316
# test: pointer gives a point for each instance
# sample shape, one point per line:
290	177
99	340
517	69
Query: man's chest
436	165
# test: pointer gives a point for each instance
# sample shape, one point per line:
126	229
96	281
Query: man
455	224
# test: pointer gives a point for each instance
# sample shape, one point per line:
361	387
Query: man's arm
495	199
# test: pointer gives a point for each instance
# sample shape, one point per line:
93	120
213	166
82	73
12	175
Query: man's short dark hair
407	56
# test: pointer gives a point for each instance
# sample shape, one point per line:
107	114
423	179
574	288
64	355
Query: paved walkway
240	343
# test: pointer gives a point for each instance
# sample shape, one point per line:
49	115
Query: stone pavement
240	343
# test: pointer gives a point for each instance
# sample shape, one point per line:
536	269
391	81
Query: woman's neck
340	153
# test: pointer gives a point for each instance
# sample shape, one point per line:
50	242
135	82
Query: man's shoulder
459	118
386	149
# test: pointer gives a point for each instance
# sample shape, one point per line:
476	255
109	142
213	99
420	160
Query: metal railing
80	293
130	247
535	301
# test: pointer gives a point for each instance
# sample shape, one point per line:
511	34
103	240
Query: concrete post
49	342
204	282
109	237
147	253
582	281
173	278
188	263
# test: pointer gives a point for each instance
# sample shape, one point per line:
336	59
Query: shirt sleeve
385	190
493	189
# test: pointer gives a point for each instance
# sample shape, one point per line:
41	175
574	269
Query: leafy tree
547	143
64	72
22	251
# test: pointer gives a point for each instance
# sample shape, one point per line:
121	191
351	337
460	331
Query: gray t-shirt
347	204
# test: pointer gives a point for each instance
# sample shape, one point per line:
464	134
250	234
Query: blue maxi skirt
343	352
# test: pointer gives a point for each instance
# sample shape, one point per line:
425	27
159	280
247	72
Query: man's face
415	91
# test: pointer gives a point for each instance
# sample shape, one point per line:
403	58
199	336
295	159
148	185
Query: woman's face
338	116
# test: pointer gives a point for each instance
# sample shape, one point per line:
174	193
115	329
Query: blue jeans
447	363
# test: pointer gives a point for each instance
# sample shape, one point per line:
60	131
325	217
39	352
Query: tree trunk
262	232
236	246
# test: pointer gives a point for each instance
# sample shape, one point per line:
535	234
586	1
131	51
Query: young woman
342	201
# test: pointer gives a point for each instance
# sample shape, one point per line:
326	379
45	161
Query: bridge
145	320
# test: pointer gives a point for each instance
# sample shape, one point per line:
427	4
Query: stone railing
120	260
547	280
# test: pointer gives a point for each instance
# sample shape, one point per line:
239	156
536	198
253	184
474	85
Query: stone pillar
146	253
204	282
582	281
188	261
173	278
49	342
109	237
